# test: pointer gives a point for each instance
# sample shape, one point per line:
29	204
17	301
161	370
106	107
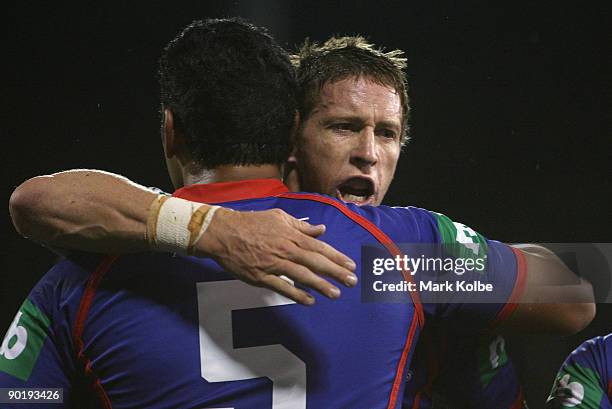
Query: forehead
359	96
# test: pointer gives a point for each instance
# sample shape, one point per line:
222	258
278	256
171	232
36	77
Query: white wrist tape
175	225
171	229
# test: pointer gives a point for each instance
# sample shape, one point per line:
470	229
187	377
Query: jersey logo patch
576	387
472	244
493	357
23	341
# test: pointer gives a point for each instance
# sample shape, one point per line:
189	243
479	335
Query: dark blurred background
511	115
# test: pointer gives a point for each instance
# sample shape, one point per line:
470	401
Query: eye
386	133
341	126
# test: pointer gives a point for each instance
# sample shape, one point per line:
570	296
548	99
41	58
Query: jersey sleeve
471	371
36	351
486	277
584	380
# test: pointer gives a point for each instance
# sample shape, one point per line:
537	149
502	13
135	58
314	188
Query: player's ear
170	137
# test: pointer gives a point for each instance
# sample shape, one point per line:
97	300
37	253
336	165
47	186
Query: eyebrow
356	119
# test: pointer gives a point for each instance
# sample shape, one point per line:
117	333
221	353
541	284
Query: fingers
322	264
251	254
286	289
329	253
304	276
328	260
309	229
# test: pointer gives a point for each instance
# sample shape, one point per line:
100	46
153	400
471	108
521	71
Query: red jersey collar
232	191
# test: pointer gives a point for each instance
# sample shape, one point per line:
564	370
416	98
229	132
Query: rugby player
585	378
366	156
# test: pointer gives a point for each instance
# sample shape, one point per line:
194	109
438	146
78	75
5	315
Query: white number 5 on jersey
221	362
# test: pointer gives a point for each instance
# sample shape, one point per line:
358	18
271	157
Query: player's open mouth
357	190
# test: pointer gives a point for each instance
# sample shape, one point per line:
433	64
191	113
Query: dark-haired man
221	359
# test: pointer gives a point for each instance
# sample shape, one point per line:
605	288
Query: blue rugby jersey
165	331
585	378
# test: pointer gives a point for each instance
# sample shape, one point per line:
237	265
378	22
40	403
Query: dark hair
342	57
232	91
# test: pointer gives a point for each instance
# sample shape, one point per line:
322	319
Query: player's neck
232	174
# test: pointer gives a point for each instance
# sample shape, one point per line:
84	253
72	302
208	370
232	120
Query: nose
364	153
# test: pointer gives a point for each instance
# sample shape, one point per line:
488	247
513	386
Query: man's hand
262	247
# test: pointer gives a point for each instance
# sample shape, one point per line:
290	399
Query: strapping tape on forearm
176	225
198	224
